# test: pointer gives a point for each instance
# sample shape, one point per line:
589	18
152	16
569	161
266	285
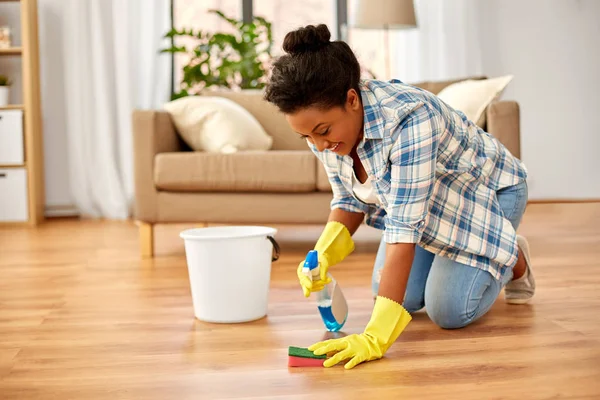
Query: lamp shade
377	14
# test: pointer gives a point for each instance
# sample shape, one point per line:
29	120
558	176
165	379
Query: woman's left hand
387	323
356	348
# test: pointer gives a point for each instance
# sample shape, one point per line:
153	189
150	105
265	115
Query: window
288	15
284	16
194	14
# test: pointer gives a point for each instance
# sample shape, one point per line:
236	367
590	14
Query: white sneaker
520	291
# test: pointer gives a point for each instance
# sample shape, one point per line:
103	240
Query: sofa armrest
153	133
503	122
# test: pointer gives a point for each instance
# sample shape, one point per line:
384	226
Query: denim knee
449	314
412	304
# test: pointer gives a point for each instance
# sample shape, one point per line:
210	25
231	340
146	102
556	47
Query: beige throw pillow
217	125
472	97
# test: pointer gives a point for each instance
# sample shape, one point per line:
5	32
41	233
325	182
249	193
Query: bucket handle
275	247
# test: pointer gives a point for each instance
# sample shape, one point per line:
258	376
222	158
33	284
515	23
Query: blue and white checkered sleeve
413	160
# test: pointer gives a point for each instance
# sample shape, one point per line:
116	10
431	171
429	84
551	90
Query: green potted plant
236	60
4	90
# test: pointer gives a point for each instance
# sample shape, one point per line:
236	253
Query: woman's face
336	129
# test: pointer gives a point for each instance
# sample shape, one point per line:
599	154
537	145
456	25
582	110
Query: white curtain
113	65
444	46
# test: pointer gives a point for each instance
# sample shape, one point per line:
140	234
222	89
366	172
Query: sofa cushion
267	114
472	97
247	171
217	124
243	208
436	86
323	184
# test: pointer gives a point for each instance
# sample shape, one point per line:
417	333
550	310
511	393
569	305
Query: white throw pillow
472	96
216	124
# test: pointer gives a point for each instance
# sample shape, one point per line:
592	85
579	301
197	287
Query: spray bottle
330	301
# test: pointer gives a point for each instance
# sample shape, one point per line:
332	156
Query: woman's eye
324	133
305	137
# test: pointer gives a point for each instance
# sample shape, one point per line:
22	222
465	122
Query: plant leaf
232	60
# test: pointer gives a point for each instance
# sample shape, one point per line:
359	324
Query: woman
447	195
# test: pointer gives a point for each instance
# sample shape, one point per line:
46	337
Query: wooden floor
82	317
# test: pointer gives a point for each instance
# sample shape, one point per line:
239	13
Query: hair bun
309	38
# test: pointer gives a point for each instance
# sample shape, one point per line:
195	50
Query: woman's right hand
333	246
308	285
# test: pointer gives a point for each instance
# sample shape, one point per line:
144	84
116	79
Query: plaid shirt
435	174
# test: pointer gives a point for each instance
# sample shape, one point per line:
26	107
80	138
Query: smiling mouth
334	148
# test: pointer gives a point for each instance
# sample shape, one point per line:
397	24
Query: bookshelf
29	174
14	51
12	107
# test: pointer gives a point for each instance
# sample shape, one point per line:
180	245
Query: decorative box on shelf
11	137
13	195
13	175
5	37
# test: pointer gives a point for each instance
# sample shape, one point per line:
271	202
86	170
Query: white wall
54	104
552	47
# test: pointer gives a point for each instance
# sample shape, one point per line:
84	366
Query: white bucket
230	271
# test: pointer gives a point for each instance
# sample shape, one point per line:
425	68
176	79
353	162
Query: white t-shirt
364	191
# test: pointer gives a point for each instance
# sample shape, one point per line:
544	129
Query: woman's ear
352	100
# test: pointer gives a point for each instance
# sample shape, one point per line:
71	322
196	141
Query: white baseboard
65	210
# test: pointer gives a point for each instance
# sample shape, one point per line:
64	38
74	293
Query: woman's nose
322	144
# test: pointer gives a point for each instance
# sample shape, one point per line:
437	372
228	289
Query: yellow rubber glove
334	244
387	323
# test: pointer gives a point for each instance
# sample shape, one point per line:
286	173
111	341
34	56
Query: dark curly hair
314	72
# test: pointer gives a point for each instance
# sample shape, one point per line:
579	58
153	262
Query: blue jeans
455	294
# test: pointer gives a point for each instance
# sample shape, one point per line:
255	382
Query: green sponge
303	352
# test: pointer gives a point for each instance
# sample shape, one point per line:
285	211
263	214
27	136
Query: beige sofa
285	185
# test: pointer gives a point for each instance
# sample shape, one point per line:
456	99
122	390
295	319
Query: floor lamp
383	14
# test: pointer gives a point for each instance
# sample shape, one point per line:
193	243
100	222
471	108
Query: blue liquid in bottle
329	320
325	296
